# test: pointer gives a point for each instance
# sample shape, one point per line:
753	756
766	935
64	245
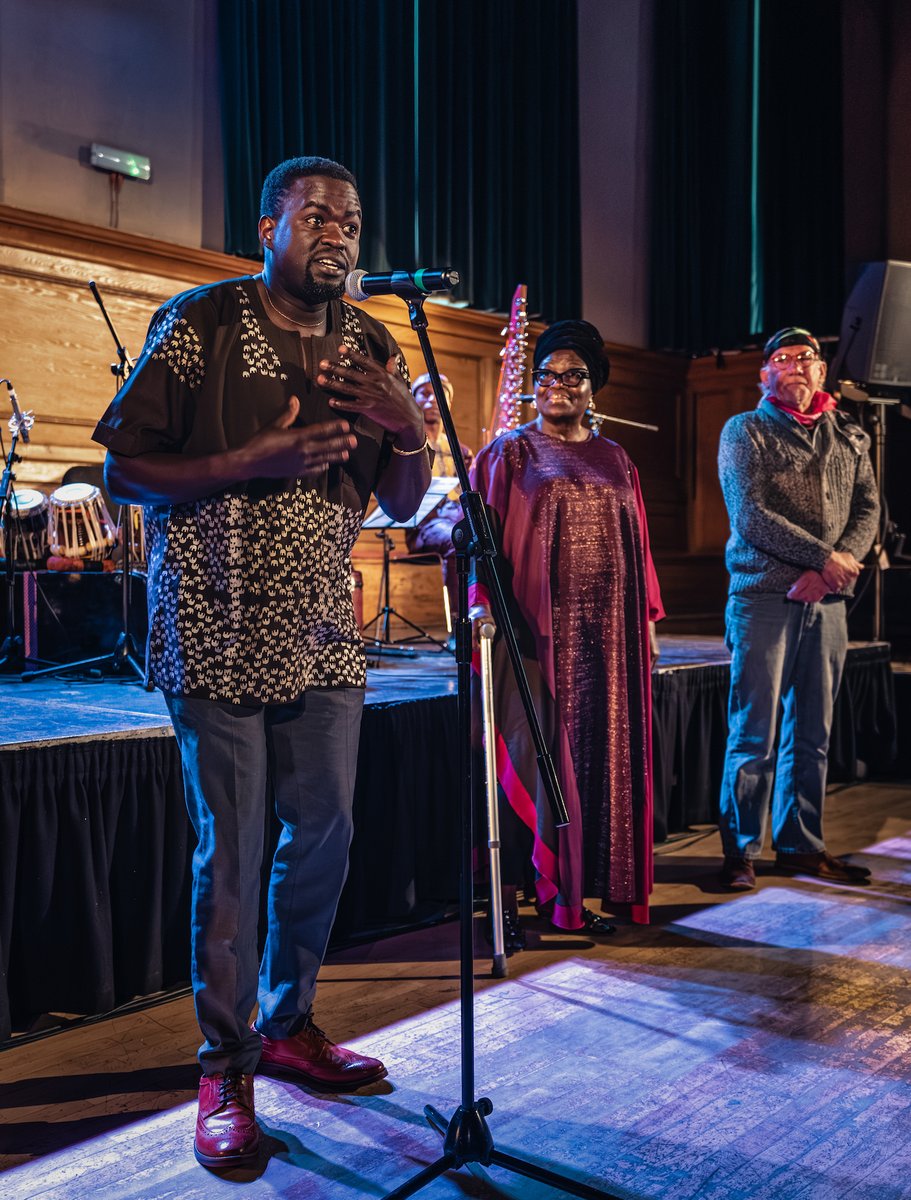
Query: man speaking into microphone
263	412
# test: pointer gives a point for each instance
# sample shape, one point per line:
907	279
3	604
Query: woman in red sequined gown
583	596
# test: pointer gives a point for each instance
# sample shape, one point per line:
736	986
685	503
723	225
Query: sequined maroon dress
582	588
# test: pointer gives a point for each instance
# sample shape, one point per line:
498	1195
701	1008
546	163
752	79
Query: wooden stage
95	845
741	1048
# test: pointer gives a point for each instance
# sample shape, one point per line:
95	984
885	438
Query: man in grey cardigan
803	509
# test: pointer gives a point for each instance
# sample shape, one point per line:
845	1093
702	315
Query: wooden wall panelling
56	349
650	387
713	396
55	346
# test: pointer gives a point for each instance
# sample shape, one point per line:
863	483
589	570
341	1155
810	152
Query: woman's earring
594	418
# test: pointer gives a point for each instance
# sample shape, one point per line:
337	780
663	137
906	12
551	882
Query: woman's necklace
569	441
276	309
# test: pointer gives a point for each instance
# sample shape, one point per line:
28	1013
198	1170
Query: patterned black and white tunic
249	589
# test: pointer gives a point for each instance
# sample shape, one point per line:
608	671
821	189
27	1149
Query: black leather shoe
513	933
594	924
823	866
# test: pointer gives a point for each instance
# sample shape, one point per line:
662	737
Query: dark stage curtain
404	857
747	224
96	850
689	725
95	879
865	722
498	150
700	214
480	173
800	164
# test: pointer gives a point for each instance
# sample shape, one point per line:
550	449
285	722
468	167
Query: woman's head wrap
583	339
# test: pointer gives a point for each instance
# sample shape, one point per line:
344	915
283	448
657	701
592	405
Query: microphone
409	286
21	423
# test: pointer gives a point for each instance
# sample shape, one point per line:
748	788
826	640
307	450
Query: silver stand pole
498	969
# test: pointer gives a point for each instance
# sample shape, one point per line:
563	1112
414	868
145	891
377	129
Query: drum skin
27	515
79	525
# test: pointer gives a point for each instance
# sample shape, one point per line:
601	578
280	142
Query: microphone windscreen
353	286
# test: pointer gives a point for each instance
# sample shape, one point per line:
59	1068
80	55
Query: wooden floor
741	1047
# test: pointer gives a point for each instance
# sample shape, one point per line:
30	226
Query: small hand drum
79	525
27	515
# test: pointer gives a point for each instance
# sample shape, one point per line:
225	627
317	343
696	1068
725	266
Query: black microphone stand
124	658
467	1137
12	652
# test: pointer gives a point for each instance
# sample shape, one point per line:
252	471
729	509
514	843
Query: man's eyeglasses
570	378
801	359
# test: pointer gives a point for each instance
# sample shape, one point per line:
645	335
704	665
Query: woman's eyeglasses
571	378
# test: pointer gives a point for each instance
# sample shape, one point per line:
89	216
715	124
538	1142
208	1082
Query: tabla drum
79	525
27	517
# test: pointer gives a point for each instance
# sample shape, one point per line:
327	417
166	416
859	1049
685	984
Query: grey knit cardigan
793	495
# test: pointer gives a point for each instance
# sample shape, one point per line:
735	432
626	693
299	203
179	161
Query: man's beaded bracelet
408	453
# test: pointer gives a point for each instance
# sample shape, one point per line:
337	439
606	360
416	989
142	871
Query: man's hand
279	451
377	391
841	570
809	588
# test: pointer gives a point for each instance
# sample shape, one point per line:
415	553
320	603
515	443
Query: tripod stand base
382	641
123	660
468	1140
13	659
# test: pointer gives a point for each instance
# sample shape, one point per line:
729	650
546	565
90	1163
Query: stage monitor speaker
875	345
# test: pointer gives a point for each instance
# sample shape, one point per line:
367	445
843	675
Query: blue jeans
309	750
786	662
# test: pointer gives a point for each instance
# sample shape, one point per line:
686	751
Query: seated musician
434	533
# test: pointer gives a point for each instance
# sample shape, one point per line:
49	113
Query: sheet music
440	487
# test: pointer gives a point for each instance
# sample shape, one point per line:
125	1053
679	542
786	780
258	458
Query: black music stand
383	642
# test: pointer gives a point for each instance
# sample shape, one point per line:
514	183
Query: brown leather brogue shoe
309	1056
738	874
226	1131
823	866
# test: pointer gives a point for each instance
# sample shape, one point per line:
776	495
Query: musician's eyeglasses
801	360
571	378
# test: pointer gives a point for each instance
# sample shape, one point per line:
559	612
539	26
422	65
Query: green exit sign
120	162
